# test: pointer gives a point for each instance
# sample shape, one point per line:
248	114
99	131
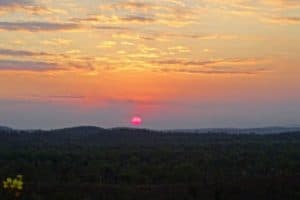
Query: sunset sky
174	63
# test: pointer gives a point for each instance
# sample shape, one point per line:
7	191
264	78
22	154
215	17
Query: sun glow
136	121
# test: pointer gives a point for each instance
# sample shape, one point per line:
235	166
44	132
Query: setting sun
136	121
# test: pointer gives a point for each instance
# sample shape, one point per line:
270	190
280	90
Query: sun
136	120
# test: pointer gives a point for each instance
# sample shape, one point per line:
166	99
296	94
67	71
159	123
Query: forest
87	163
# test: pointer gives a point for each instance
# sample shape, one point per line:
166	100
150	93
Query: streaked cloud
54	97
167	36
114	19
128	12
12	3
112	28
28	6
269	11
283	3
12	52
57	41
107	44
26	60
179	49
14	65
184	62
38	26
283	20
221	66
133	6
216	71
166	19
43	66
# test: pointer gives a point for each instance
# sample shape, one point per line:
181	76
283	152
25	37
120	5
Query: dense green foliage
92	163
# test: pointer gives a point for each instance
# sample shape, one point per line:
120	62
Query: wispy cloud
14	65
137	101
205	63
216	71
112	28
56	97
133	6
283	20
269	11
38	26
11	3
28	6
107	44
221	66
44	66
282	3
128	12
133	19
133	34
57	41
12	52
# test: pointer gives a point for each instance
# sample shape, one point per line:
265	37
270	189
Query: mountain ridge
94	129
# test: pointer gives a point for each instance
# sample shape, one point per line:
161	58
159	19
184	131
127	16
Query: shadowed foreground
93	163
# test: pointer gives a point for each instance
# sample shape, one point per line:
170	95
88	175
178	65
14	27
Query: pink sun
136	121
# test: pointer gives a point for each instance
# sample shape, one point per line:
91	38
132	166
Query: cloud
232	61
283	20
221	66
11	52
195	36
115	19
138	19
28	6
113	28
45	61
136	101
56	97
215	71
40	66
57	41
33	54
13	65
38	26
132	34
283	3
44	66
268	11
107	44
256	5
128	12
9	3
133	6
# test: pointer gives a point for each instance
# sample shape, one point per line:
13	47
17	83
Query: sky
175	63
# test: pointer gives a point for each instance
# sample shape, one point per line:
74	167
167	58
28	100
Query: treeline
93	163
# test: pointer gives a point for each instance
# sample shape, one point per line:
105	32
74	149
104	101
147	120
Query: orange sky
178	64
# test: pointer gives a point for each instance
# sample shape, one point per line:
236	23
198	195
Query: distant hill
4	128
80	129
265	130
95	129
